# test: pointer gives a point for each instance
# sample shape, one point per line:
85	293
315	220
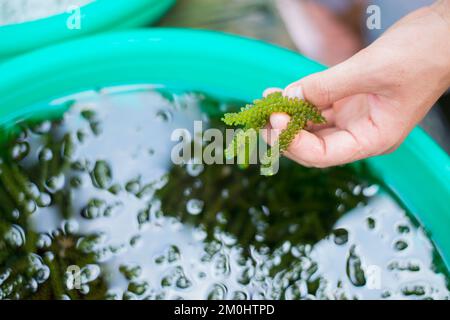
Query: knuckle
317	90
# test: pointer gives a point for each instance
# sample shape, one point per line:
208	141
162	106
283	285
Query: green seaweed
256	116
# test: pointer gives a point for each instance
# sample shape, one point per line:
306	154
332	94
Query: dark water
91	207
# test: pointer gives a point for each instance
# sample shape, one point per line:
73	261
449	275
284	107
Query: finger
278	122
325	148
330	117
326	87
270	91
292	157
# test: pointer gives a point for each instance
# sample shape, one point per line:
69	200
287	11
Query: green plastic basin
98	16
223	65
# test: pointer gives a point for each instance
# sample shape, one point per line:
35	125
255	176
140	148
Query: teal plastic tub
98	16
226	66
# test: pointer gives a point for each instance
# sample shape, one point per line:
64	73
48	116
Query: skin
374	99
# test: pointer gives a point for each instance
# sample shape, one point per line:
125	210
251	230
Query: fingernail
294	91
270	91
267	92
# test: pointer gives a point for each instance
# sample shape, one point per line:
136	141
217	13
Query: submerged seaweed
189	231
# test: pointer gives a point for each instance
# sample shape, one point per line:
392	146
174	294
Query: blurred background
328	31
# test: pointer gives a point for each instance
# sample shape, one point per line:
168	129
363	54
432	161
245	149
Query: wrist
441	9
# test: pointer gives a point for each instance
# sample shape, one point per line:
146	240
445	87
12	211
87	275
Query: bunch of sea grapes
255	116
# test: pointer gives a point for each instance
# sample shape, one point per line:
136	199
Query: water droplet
138	288
173	254
55	183
403	228
32	285
164	115
222	265
79	165
76	182
45	155
225	193
112	295
101	175
90	243
194	169
115	189
144	216
416	290
30	206
218	292
85	289
68	147
15	214
166	282
297	291
131	272
20	150
357	190
199	234
221	218
183	283
194	206
89	114
42	274
82	135
355	272
94	209
49	256
371	191
293	228
15	236
187	192
44	241
70	226
400	245
340	236
42	127
240	295
160	259
135	240
96	127
371	223
89	273
32	190
44	200
4	275
129	296
133	186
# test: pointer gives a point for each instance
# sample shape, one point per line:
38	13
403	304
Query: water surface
96	192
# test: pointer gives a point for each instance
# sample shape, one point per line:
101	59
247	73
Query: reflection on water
97	191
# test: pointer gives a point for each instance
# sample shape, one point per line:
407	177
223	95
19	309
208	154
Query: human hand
374	99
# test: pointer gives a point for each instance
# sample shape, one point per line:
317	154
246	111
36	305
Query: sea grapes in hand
256	116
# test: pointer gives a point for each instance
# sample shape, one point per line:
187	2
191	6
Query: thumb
326	87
